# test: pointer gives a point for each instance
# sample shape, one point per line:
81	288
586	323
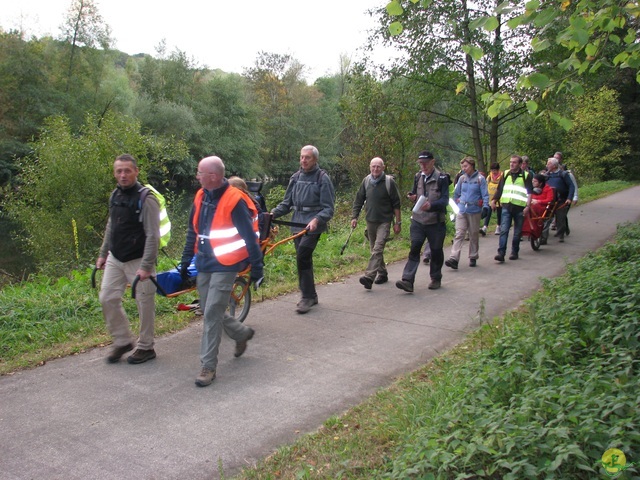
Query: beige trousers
114	282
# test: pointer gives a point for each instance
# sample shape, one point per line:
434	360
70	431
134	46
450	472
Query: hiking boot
499	258
241	346
483	231
117	352
206	377
426	260
472	262
380	279
434	285
405	285
513	256
141	356
497	232
367	282
305	304
315	301
452	263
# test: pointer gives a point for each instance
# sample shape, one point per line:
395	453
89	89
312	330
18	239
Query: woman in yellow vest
493	180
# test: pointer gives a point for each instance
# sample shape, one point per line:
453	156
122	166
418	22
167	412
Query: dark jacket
206	261
310	195
379	204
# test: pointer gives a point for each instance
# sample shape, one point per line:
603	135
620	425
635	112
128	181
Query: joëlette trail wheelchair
536	225
170	284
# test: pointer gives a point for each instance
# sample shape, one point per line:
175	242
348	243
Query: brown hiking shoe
206	377
141	356
117	352
405	285
434	285
241	346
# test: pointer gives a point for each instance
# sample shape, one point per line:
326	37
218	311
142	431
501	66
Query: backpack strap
387	182
319	174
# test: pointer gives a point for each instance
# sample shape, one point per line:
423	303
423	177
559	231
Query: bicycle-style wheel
239	303
535	243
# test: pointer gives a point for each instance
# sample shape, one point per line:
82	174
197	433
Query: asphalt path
80	418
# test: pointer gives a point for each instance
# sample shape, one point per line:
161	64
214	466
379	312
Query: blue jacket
469	191
561	181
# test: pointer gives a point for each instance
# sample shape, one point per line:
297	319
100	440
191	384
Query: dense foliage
452	91
553	394
64	223
541	393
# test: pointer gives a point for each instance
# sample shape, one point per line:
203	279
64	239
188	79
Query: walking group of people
223	235
513	195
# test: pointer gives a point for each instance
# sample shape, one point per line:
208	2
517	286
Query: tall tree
592	34
83	27
227	125
596	143
445	52
277	88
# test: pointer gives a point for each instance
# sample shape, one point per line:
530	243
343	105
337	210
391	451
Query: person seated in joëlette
542	195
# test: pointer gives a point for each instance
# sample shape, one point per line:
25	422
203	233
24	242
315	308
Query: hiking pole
347	242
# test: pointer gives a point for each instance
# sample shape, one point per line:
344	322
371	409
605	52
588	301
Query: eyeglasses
199	173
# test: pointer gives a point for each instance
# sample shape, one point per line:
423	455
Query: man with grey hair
223	233
379	195
564	188
311	196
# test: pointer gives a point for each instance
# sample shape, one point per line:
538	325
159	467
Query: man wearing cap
431	194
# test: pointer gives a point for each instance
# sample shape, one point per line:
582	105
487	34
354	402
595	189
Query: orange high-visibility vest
227	244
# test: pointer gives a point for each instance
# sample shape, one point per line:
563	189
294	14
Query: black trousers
305	247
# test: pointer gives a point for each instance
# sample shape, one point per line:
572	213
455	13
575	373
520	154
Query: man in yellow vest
223	232
514	194
129	249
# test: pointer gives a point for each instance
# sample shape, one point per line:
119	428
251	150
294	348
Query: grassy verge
46	318
541	393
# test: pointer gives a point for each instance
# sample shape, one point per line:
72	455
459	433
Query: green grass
541	393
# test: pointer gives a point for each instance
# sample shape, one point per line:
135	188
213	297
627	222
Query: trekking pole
347	242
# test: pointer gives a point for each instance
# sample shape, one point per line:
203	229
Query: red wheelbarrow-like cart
535	223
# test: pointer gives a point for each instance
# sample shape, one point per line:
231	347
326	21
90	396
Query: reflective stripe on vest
514	193
227	244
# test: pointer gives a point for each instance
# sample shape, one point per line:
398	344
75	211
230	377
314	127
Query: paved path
79	418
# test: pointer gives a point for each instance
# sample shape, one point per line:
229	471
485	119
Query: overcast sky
219	34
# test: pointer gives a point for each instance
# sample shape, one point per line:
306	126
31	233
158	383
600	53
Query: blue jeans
508	214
